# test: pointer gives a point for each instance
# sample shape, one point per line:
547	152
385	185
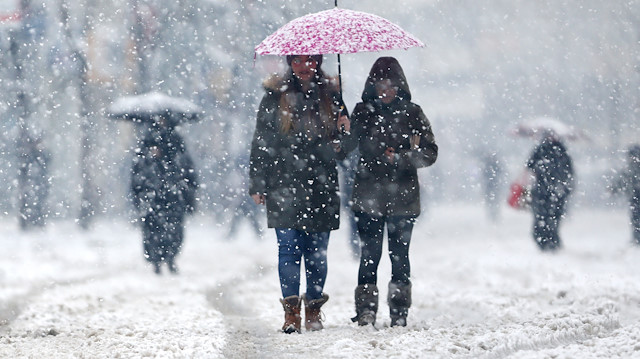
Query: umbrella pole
340	76
339	67
340	73
342	130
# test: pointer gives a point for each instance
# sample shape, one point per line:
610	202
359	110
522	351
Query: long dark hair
325	88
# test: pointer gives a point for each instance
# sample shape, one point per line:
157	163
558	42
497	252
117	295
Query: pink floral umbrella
337	31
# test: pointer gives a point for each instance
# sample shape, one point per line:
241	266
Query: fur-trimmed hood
281	83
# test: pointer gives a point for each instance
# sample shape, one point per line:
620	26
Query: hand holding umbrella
344	125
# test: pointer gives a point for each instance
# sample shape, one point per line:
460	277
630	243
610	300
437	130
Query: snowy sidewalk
480	290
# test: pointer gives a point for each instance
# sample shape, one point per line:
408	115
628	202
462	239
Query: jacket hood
386	68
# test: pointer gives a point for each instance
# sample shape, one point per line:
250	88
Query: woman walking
395	139
293	171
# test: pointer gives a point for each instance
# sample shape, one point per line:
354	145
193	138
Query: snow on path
480	291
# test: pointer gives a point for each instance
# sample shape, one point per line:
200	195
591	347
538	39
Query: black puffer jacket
381	187
553	171
297	174
163	179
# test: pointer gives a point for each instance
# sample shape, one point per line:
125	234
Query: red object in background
10	13
518	196
520	191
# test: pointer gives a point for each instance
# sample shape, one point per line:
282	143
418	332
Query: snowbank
480	290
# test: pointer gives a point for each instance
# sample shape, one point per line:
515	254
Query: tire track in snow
130	318
12	307
247	333
563	330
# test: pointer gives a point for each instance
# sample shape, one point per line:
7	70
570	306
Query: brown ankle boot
292	320
312	313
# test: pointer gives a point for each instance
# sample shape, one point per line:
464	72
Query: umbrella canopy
145	107
336	31
540	126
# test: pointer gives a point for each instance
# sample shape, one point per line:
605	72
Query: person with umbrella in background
163	179
628	182
163	187
395	139
491	183
300	124
552	169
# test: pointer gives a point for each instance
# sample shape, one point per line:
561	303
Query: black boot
399	300
366	298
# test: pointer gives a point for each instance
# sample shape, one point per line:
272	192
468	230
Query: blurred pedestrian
293	171
347	172
491	181
244	209
628	182
242	206
394	138
33	181
163	186
552	169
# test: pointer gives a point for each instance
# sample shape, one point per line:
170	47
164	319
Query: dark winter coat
384	188
297	173
553	171
163	183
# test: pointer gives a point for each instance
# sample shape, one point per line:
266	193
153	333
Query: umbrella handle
340	76
342	130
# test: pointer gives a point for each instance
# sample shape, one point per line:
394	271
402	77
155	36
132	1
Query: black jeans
371	230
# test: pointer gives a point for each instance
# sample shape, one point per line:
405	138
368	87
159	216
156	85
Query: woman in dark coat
553	171
163	186
293	171
395	139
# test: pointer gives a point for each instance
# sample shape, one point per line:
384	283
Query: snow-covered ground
480	290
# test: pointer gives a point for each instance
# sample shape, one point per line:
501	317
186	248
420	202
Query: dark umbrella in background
156	115
540	126
337	31
146	108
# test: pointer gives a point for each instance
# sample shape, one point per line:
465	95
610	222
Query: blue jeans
294	244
